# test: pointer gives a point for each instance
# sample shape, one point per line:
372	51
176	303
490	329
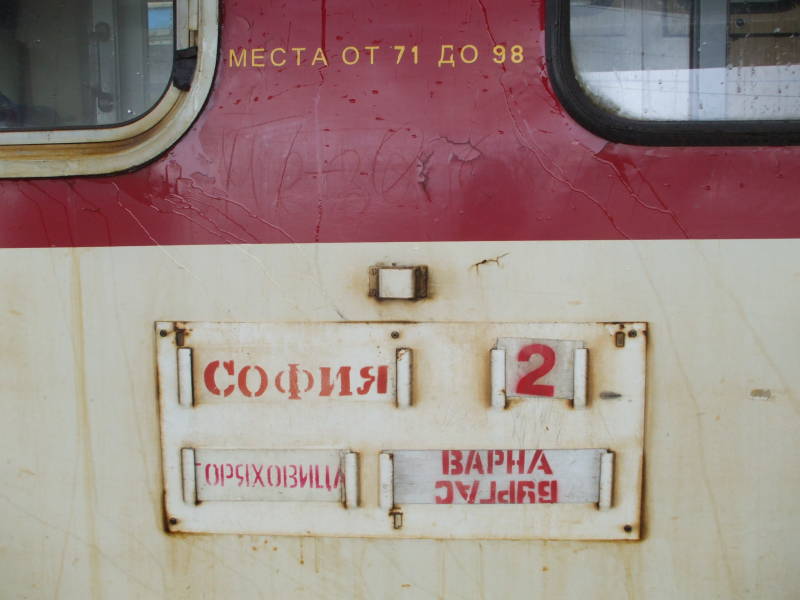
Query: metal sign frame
442	400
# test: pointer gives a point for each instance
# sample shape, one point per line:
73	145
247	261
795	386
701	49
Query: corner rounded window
679	72
98	86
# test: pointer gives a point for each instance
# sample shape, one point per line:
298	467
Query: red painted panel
392	152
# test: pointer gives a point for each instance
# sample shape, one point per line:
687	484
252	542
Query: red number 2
528	385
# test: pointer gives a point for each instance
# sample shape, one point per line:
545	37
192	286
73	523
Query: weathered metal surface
325	400
394	283
81	506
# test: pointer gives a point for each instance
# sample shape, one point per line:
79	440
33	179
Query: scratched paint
402	152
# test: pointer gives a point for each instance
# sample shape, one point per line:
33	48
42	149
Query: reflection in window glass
82	63
689	59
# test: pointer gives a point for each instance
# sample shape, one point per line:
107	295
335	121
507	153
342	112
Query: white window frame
102	150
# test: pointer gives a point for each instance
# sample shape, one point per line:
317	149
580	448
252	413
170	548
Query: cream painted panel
47	533
722	450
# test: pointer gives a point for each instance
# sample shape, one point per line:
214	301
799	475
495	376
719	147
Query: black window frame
615	128
754	8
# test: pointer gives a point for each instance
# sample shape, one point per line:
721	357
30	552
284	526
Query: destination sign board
496	476
403	429
269	475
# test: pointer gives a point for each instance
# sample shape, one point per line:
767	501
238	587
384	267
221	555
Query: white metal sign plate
300	363
483	477
539	368
245	404
268	475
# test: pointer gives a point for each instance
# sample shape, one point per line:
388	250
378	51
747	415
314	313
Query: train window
97	86
83	64
679	71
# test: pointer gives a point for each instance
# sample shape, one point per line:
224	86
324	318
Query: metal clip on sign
404	365
185	383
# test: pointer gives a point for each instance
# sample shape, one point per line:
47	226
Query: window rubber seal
598	120
757	8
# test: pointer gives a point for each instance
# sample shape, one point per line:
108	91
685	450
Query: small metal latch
397	517
398	283
386	493
183	68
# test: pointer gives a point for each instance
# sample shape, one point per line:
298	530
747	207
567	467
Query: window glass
82	63
689	59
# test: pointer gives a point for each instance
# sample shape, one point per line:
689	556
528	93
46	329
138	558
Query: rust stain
84	420
488	261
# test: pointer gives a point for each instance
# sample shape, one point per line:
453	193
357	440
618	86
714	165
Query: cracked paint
402	152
